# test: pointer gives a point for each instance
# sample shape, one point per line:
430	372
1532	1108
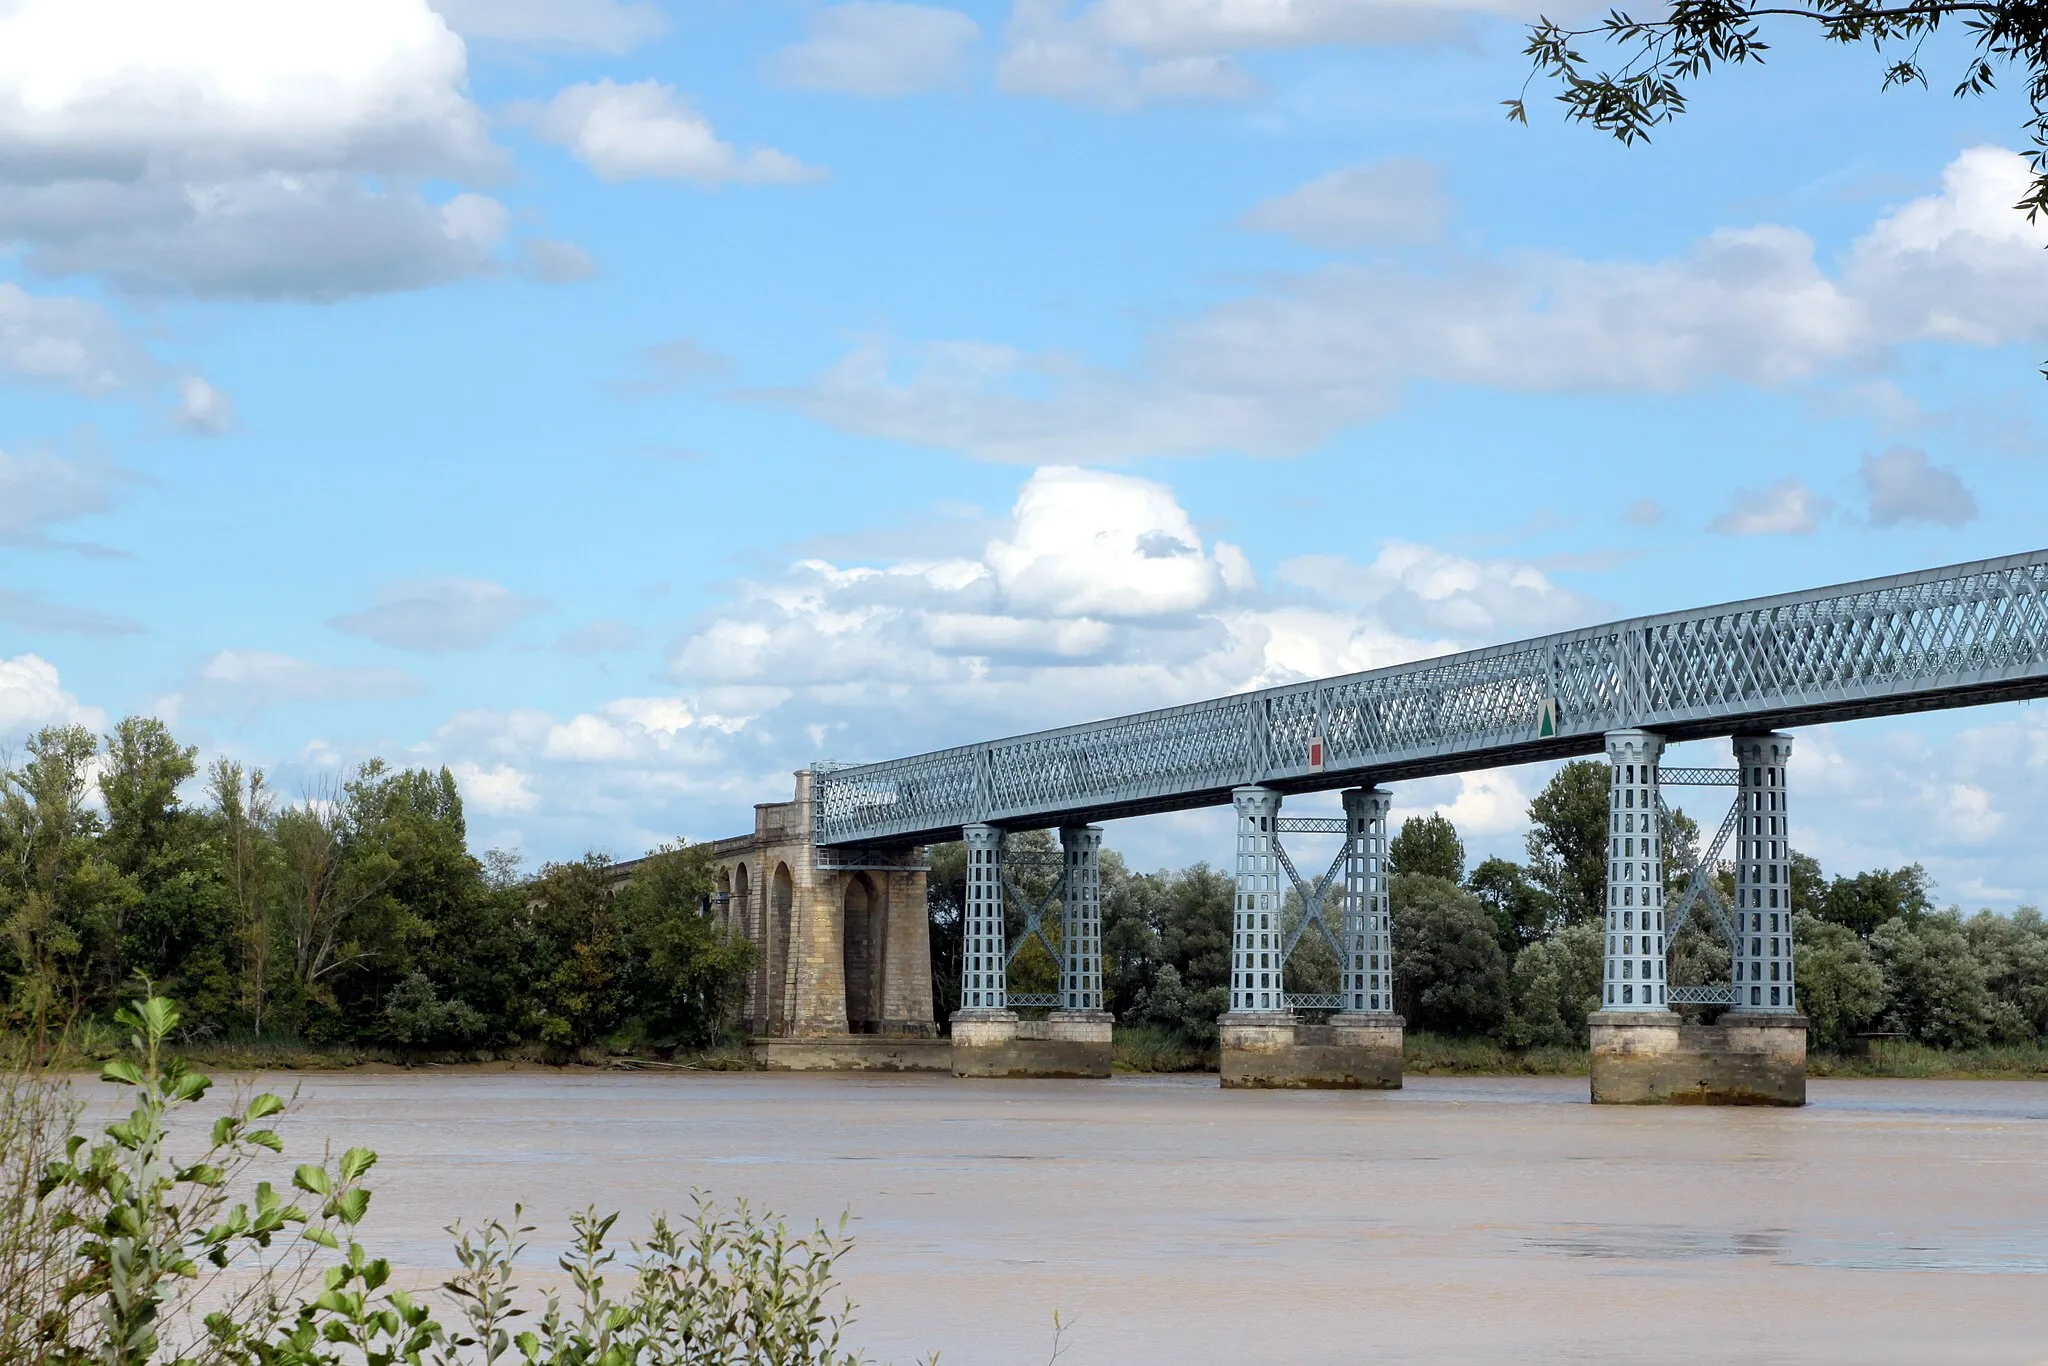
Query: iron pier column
1763	879
1633	981
1255	968
984	955
1081	926
1368	977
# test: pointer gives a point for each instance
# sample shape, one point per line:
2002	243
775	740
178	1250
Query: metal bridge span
1952	637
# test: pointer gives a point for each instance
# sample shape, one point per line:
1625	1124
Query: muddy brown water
1494	1220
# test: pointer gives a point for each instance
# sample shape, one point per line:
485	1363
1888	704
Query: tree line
1514	950
353	913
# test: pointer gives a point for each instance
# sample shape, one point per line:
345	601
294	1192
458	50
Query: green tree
684	972
173	919
1450	974
1867	900
582	984
2012	952
1933	985
1167	939
1556	986
53	880
1840	989
246	858
1658	56
1522	912
1428	845
1568	840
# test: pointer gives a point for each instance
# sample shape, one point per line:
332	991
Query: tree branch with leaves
1656	59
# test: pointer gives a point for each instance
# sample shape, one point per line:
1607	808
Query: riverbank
1139	1049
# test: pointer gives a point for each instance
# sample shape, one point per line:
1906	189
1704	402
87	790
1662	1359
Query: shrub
117	1253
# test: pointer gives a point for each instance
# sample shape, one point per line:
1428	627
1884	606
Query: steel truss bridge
1939	638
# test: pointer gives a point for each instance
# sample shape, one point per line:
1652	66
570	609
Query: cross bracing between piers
1951	637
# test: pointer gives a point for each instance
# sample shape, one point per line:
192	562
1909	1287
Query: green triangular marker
1547	726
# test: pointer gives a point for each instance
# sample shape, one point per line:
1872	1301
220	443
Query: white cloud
586	25
1418	589
246	681
555	262
40	491
1644	512
249	148
31	612
437	616
877	47
1280	369
1392	203
67	342
204	409
1786	508
497	791
1125	53
32	696
1903	487
645	130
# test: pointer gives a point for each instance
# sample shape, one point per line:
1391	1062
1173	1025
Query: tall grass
1897	1058
1425	1054
1150	1048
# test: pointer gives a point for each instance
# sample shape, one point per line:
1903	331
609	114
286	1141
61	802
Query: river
1170	1221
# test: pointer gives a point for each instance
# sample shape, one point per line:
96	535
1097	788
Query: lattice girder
1938	638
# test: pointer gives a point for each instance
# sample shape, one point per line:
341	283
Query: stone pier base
1275	1050
995	1043
1654	1059
852	1053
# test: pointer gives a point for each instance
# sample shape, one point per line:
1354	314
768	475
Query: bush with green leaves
116	1252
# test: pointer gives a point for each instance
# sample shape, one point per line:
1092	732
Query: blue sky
626	403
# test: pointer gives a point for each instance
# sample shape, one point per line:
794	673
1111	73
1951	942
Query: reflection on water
1167	1220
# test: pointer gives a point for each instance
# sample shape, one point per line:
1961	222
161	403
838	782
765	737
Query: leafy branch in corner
1658	58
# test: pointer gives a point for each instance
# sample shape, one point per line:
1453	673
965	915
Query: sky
625	403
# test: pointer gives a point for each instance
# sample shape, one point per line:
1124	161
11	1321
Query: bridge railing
1939	637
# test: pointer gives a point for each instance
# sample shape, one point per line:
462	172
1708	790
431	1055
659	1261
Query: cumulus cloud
32	696
574	25
31	612
1902	486
498	791
239	148
246	681
1097	593
1393	203
1280	369
1786	508
438	616
645	130
878	47
1418	589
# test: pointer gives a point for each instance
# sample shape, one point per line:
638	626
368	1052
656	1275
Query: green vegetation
352	923
116	1252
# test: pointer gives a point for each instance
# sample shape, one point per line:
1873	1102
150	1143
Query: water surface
1168	1220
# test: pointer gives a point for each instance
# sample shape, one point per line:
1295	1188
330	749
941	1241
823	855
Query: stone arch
862	954
781	914
721	900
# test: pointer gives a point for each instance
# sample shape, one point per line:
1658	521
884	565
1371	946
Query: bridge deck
1952	637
